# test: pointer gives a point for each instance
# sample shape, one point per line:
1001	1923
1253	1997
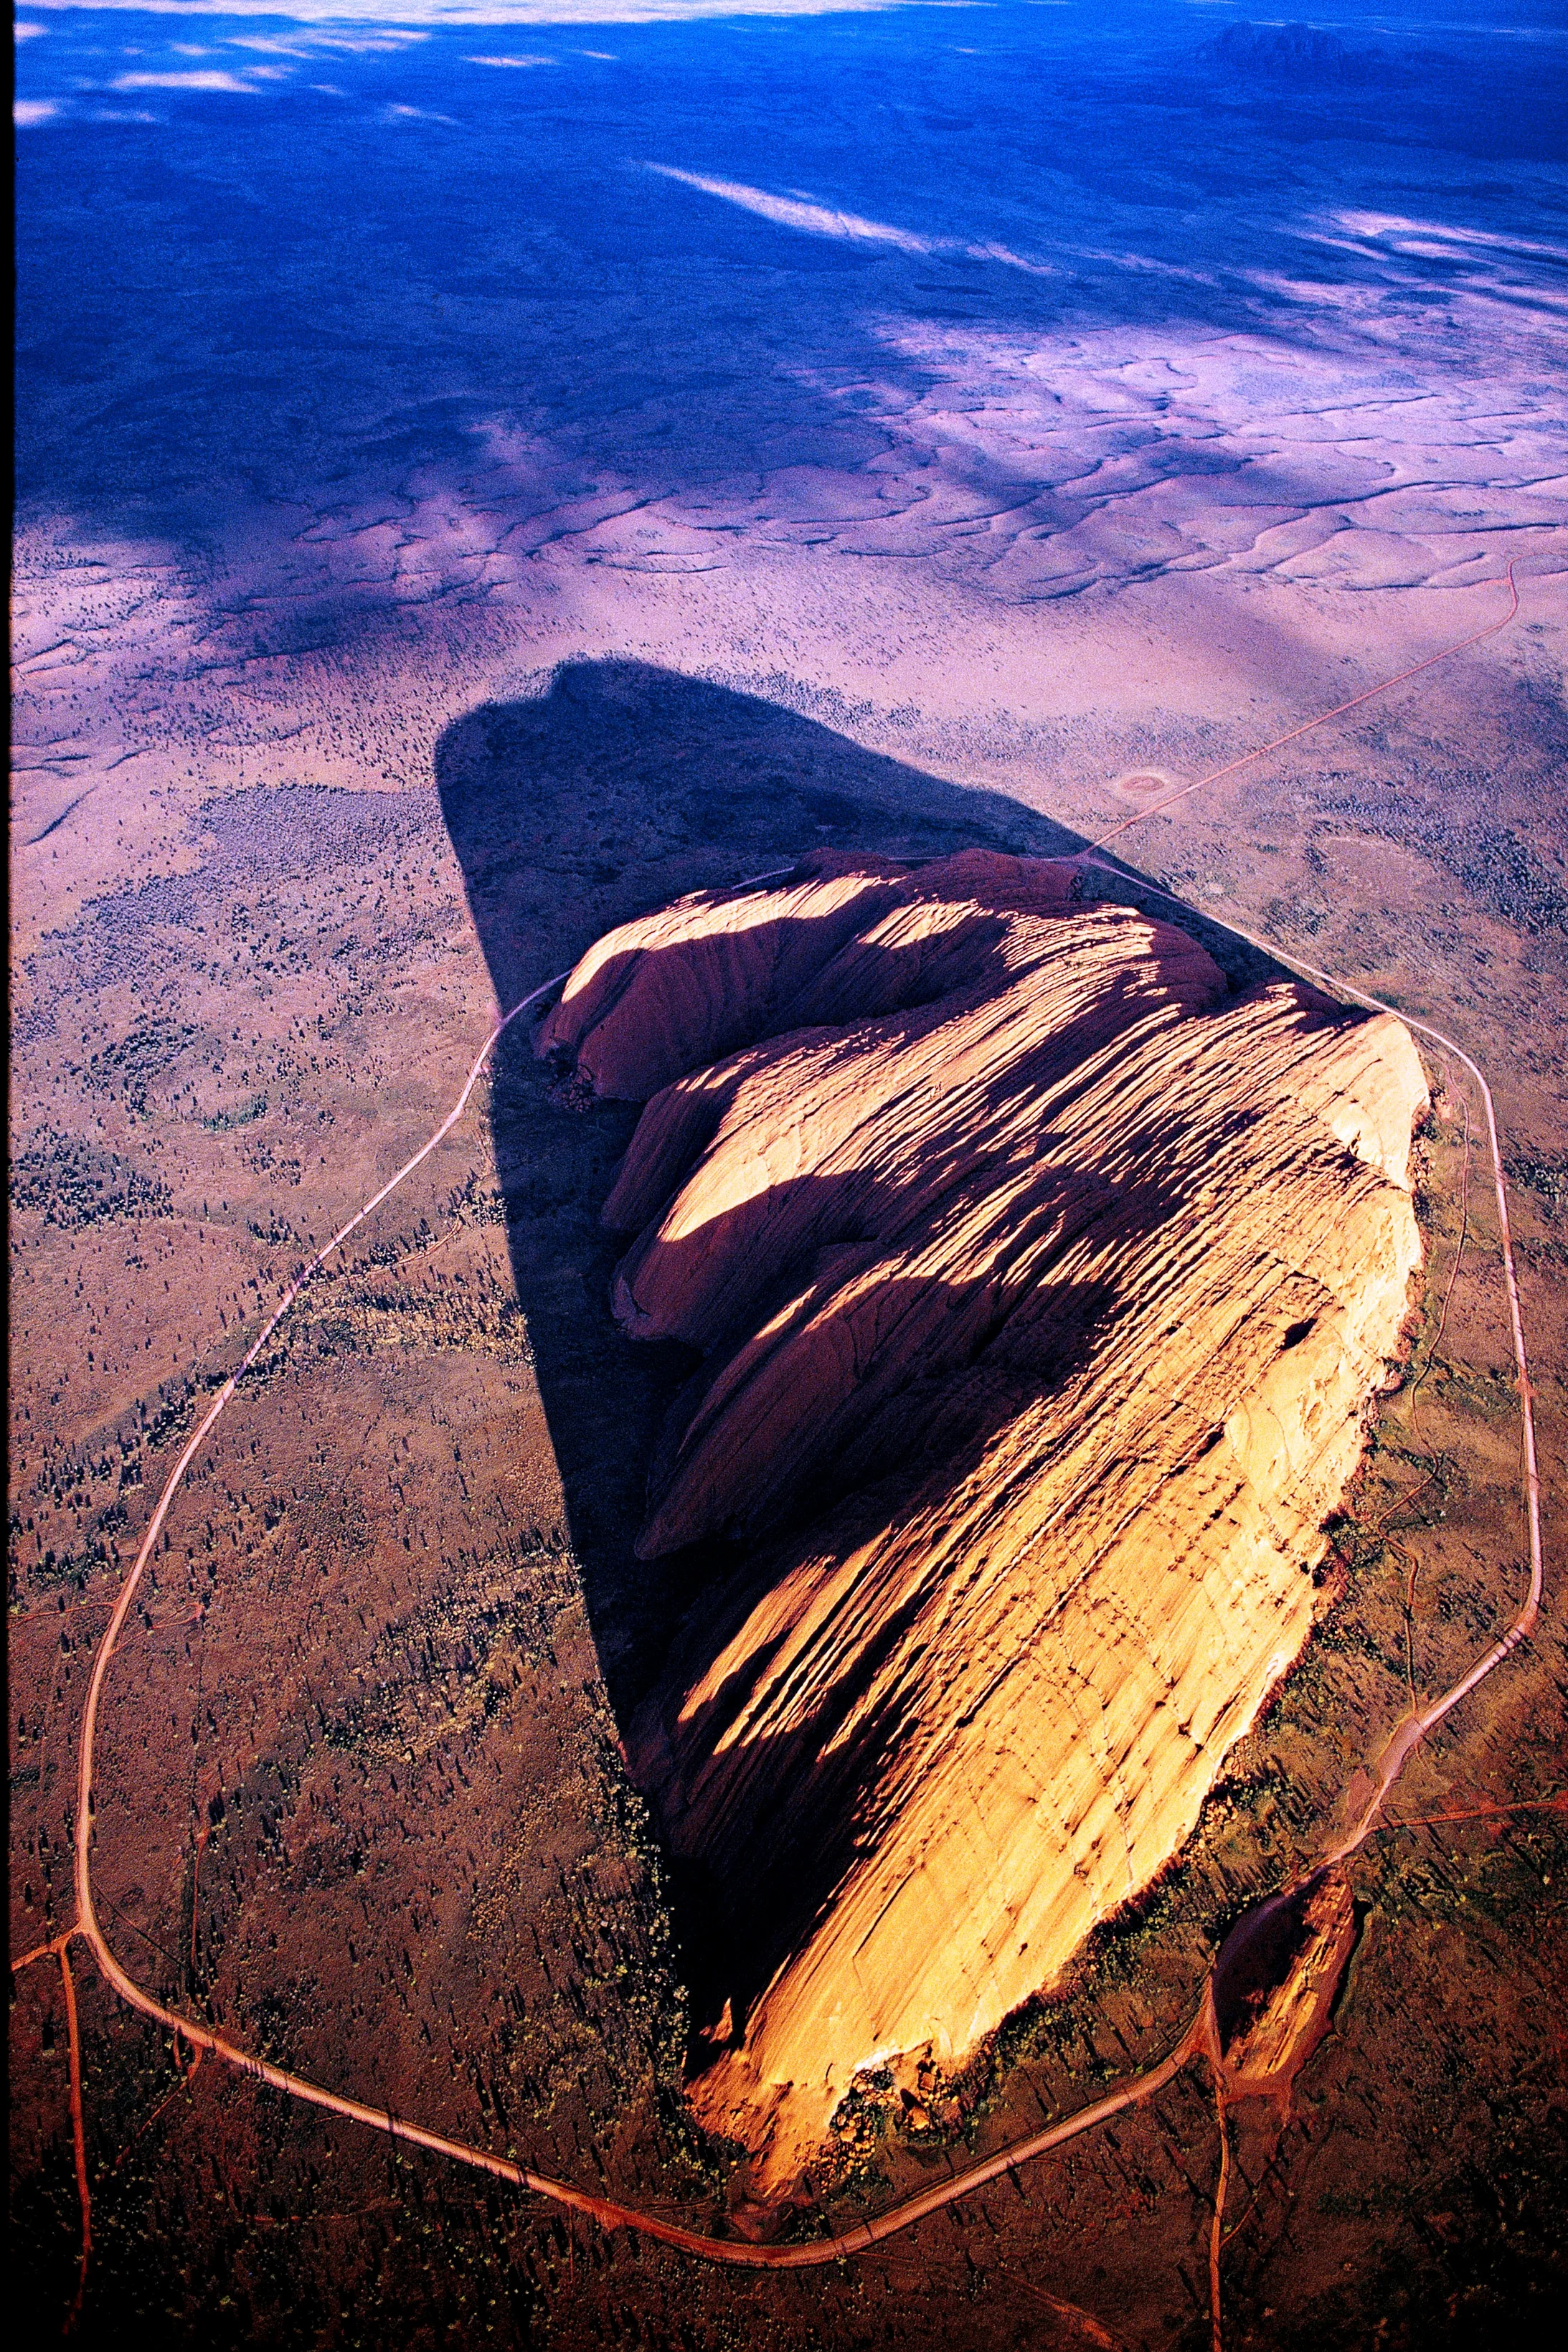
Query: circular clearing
1145	783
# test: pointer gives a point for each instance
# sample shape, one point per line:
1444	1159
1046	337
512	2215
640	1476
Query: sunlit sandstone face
1039	1286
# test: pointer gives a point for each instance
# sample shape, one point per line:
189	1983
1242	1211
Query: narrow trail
1293	734
738	2252
78	2130
1217	2228
1558	1804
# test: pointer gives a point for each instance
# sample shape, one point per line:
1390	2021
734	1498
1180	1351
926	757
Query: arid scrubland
362	1798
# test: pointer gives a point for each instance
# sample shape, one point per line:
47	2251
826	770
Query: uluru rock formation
1037	1284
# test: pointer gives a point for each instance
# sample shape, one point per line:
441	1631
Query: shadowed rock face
1038	1288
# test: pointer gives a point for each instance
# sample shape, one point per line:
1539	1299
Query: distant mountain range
1302	53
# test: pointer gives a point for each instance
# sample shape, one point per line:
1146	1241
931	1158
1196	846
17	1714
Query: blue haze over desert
852	279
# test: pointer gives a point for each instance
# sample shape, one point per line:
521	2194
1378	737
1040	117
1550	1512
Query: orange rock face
1039	1284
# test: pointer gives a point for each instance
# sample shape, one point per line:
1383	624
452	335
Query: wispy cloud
28	112
1425	238
335	39
799	211
790	212
1004	254
205	79
438	14
509	61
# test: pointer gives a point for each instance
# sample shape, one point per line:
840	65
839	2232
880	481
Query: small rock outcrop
1270	2000
1037	1284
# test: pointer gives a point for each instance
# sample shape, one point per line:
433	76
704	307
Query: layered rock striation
1037	1285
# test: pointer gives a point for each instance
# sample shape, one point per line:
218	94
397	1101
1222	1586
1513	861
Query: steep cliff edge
1038	1285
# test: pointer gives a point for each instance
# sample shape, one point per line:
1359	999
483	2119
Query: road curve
610	2214
809	2255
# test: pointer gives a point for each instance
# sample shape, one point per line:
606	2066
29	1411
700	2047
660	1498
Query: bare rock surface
1037	1286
